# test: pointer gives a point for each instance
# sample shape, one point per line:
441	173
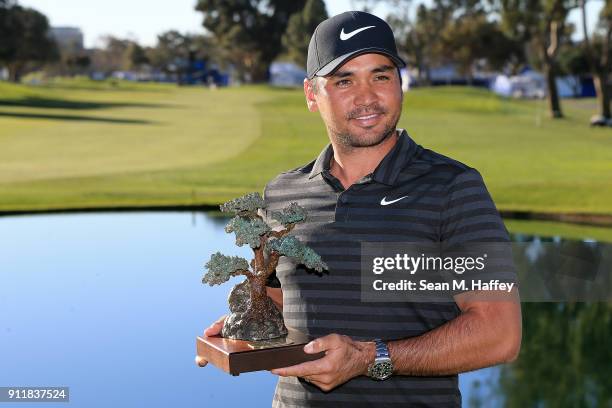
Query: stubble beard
351	141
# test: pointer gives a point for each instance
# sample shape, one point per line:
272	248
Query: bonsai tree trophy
254	336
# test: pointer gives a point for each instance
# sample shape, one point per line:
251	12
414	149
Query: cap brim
336	63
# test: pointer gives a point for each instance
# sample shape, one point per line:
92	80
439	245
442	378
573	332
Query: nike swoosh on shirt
385	202
345	36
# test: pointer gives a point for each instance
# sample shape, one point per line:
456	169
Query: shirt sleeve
470	214
471	226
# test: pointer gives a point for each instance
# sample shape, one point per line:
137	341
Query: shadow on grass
49	103
75	118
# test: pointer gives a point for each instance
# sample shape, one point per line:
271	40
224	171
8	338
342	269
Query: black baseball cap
345	36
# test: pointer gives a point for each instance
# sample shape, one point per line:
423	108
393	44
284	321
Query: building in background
68	38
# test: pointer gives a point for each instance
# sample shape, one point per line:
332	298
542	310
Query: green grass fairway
80	144
559	229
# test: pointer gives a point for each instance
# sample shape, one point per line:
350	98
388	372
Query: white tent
532	84
286	74
529	84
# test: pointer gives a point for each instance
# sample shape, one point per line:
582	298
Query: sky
142	20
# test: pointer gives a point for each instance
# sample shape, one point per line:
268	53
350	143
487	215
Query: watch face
381	370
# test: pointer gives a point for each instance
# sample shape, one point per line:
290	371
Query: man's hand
212	330
344	359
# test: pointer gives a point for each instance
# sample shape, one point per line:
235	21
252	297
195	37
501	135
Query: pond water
109	305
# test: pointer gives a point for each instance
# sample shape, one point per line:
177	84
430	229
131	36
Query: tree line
485	35
506	35
23	38
494	35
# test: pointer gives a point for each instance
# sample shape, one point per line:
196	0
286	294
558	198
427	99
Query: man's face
361	102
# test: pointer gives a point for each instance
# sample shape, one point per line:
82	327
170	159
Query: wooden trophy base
241	356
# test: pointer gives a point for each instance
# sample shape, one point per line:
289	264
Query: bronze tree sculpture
253	315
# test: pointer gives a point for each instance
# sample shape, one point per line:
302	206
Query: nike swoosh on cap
385	202
345	36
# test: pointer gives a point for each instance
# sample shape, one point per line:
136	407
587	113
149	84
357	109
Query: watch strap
382	358
381	349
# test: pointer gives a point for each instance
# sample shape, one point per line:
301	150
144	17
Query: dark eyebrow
383	68
341	74
344	74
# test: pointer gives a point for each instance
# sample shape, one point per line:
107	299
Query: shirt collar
323	161
389	167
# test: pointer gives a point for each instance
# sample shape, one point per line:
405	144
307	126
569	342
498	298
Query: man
374	183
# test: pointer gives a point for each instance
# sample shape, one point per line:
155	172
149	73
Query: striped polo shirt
444	201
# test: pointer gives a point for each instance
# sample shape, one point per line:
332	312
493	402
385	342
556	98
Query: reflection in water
554	269
566	354
566	358
109	304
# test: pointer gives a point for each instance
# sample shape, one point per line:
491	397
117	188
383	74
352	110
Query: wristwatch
382	367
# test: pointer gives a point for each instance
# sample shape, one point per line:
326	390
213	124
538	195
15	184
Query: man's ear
311	102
